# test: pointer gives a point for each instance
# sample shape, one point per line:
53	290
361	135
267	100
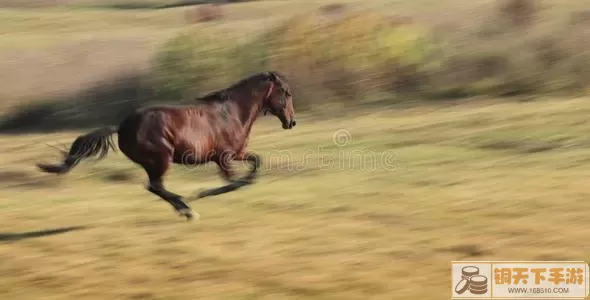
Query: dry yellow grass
504	181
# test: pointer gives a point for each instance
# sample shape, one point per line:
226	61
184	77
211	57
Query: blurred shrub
349	58
365	56
357	56
192	64
175	68
487	59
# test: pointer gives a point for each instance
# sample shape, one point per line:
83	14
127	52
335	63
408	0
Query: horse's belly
190	156
194	150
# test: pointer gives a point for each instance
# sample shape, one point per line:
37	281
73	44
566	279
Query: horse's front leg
224	163
255	162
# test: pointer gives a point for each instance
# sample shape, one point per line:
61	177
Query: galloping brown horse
215	130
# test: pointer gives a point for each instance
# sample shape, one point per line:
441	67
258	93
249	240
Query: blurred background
479	107
116	55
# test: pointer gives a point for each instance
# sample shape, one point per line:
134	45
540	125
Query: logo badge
519	279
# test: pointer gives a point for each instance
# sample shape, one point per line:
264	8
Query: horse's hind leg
156	173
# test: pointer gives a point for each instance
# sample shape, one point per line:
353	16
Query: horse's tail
95	143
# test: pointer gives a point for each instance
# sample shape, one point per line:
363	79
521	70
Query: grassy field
362	203
377	213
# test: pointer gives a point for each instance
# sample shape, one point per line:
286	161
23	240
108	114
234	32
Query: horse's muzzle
289	125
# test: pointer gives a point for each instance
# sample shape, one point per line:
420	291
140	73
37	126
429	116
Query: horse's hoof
188	214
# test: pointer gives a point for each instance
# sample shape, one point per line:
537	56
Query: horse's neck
248	114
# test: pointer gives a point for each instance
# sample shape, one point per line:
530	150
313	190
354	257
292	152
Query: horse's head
279	100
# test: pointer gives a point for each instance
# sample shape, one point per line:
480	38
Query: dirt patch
468	250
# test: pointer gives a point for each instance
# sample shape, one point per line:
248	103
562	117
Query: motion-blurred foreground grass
378	217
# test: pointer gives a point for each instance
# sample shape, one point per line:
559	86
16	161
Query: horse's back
164	108
156	119
175	128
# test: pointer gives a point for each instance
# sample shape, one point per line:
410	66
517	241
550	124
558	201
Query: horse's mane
224	94
216	96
